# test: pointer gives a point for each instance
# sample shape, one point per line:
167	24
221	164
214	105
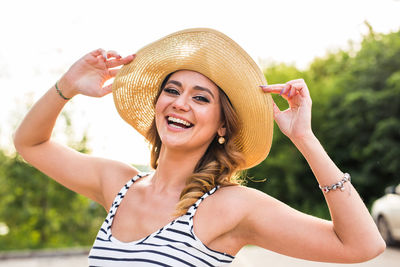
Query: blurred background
347	51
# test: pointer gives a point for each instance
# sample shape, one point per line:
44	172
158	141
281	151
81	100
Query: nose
181	103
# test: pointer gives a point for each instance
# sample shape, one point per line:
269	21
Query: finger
300	84
273	88
275	109
100	54
270	90
112	54
104	54
113	63
106	90
128	59
97	52
284	92
302	89
119	61
296	81
113	72
293	91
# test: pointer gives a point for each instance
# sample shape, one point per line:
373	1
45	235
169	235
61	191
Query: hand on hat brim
111	64
111	58
88	75
294	122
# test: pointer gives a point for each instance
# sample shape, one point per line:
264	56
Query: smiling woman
179	98
204	106
182	102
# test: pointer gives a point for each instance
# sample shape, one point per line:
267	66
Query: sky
42	38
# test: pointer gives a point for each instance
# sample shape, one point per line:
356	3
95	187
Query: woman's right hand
79	172
88	75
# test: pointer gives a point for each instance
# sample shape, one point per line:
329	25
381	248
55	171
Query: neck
174	167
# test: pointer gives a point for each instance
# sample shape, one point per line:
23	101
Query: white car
386	213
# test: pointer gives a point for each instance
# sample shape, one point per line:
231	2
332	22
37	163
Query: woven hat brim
214	55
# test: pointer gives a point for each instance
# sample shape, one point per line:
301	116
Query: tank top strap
192	210
105	228
121	194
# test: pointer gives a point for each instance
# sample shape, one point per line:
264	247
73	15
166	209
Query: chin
174	144
183	144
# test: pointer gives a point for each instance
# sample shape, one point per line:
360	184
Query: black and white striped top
173	245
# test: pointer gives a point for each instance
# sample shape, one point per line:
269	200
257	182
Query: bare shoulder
240	205
246	202
113	177
233	203
241	195
222	217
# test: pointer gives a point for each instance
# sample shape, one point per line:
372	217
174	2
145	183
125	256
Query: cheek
211	118
160	105
158	109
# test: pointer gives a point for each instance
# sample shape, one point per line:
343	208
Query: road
258	257
247	257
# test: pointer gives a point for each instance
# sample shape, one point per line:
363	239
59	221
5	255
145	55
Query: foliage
40	212
356	116
363	122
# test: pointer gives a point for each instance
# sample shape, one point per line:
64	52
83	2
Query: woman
204	107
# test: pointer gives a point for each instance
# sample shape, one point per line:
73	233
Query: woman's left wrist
304	138
307	143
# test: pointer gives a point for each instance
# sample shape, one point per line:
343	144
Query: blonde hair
219	165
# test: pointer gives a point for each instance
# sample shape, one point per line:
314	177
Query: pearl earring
221	140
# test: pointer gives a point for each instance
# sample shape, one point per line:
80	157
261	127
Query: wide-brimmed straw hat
217	57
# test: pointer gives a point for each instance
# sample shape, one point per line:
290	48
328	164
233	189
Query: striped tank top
173	245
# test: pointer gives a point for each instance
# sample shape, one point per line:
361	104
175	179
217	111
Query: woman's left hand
294	122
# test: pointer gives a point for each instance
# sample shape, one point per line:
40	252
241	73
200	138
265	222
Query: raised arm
79	172
351	236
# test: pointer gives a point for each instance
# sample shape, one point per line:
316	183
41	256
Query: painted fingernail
281	91
289	94
264	86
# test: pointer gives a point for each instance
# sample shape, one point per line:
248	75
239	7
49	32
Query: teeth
179	121
176	126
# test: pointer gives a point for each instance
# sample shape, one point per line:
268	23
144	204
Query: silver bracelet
340	184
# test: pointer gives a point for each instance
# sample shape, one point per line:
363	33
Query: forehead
192	78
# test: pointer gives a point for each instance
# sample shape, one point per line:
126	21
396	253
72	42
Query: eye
171	91
202	99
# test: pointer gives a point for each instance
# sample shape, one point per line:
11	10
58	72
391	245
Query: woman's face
188	111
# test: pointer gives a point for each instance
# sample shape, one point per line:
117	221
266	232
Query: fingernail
264	86
289	93
281	91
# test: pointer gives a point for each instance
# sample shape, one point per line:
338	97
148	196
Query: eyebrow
196	87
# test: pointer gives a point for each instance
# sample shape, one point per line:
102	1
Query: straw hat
217	57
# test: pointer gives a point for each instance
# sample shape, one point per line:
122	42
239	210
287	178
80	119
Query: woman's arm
77	171
352	235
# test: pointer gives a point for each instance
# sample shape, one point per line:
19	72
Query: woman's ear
222	131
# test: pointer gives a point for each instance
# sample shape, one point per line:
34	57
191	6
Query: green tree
356	116
40	212
363	119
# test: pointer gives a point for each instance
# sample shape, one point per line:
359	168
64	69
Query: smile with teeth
178	123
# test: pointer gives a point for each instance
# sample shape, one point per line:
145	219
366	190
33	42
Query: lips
178	122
